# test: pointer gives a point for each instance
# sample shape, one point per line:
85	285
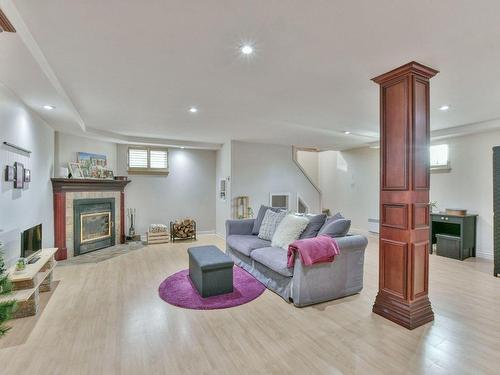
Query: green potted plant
6	307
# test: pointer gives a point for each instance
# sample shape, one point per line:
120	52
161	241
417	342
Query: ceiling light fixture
444	108
347	132
49	107
193	109
182	147
246	49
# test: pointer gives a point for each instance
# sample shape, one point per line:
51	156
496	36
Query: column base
61	254
409	315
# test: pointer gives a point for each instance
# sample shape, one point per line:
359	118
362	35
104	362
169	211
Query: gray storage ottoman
210	270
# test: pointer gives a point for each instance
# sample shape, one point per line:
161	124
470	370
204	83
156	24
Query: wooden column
60	225
122	217
404	196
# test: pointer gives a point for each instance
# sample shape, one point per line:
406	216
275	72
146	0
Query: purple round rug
178	290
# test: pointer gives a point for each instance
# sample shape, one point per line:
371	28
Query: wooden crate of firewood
158	233
184	229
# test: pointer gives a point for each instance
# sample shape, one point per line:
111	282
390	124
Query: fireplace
93	224
100	228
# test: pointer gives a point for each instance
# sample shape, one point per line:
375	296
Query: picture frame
9	173
27	175
19	175
76	170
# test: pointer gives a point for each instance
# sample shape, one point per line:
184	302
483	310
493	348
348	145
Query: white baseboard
202	232
484	255
221	236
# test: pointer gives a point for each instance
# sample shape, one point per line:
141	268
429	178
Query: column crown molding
412	67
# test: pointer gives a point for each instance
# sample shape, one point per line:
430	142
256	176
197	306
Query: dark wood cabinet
462	227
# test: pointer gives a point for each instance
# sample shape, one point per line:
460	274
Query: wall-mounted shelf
17	147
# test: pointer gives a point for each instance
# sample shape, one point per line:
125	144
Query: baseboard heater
373	225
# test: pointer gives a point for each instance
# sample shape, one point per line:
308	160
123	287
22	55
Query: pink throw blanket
320	249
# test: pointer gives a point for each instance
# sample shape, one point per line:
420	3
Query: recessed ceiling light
347	132
193	109
246	49
49	107
183	147
444	107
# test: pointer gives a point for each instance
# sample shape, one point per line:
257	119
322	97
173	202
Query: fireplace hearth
93	224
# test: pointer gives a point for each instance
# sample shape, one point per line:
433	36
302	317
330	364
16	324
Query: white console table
27	284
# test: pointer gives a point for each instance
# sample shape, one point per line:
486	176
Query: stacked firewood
184	228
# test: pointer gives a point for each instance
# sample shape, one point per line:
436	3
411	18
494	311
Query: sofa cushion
270	223
315	224
335	228
260	216
245	243
274	258
289	230
337	216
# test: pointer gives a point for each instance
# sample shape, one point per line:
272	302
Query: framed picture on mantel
75	170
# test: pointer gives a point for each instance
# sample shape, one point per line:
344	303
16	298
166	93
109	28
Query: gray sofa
301	285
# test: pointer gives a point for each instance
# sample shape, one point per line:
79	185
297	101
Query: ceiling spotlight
49	107
193	109
347	132
246	49
444	107
182	147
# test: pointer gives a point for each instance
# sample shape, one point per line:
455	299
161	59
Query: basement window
147	160
439	158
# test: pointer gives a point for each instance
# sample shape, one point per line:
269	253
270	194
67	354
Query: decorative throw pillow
337	216
315	224
260	216
289	230
335	228
270	223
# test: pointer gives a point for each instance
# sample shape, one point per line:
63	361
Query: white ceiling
135	67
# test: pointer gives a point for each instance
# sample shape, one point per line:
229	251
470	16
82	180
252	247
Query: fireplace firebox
93	223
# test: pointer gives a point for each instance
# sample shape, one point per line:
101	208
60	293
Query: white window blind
158	159
137	158
148	160
439	156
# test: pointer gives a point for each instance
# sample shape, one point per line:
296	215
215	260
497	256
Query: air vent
5	24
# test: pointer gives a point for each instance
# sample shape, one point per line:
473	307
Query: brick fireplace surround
66	190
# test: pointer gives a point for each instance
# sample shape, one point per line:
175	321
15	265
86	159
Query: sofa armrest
327	281
352	242
243	226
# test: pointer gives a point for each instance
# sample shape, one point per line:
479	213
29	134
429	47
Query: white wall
349	183
223	171
188	190
68	145
22	209
469	184
259	169
309	161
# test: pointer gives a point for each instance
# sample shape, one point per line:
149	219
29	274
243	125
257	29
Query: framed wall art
19	175
27	175
9	173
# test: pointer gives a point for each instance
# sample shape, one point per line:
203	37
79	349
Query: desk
459	226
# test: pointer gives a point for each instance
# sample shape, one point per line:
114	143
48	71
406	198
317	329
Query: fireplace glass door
93	222
95	226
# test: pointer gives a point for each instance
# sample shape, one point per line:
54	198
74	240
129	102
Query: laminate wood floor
107	318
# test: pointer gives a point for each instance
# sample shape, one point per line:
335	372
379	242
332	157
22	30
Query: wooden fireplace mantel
61	186
79	184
